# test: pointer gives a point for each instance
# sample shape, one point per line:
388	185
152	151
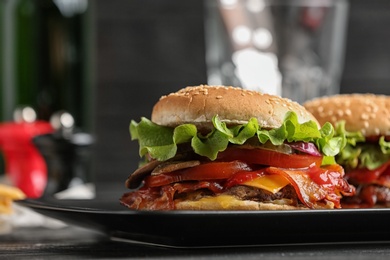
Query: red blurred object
24	164
313	17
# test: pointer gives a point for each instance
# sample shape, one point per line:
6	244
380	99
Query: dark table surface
72	242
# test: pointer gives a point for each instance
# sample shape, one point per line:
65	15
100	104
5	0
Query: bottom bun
227	202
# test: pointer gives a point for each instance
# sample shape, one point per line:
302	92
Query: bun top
367	113
199	104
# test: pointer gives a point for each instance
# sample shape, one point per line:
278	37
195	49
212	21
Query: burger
365	120
226	148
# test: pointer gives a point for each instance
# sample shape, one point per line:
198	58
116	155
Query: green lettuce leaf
237	134
161	142
210	145
153	139
371	156
385	146
349	156
358	153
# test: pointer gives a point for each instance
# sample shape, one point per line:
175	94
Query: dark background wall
367	58
145	49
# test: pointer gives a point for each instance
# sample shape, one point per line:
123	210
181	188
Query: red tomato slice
270	157
206	171
384	179
242	177
365	175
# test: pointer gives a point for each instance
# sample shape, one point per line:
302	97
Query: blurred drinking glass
292	48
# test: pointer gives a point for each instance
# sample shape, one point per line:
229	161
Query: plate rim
130	224
50	205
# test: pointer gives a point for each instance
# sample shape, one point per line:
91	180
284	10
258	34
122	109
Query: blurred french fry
7	195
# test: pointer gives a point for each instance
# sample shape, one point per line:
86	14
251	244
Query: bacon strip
326	194
161	198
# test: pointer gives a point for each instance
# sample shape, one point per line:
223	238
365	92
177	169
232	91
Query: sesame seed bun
367	113
199	104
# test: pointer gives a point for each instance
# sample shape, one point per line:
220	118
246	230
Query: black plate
220	228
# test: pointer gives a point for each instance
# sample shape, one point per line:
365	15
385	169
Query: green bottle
46	54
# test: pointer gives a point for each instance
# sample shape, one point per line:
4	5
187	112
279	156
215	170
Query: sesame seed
322	114
364	116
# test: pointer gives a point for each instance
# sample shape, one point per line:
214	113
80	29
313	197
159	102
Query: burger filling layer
367	167
260	175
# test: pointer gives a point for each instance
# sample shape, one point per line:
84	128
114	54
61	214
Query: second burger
366	156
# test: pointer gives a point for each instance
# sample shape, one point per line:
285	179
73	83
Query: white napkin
23	217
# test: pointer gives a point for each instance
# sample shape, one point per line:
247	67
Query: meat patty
251	193
243	192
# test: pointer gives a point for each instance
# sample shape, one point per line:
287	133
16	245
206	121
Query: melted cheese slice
224	201
271	183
